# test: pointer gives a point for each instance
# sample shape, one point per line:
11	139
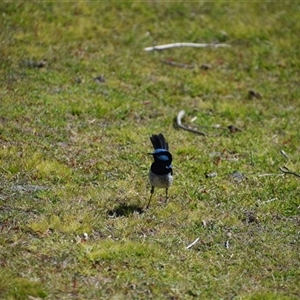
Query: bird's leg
152	191
167	200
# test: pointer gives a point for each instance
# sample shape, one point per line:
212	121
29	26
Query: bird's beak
150	153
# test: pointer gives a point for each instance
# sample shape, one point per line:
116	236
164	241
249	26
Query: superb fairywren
160	174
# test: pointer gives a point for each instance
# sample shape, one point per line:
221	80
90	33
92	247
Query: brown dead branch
179	123
286	170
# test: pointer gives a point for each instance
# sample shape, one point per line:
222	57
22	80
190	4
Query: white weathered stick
193	243
176	45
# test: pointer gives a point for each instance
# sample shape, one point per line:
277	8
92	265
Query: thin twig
176	64
179	123
193	243
286	170
268	201
269	174
284	154
226	244
176	45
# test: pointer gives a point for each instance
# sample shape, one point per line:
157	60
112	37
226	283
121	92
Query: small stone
85	236
100	79
253	94
212	174
205	67
237	176
233	129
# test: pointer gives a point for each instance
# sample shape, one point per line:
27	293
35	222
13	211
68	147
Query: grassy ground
74	163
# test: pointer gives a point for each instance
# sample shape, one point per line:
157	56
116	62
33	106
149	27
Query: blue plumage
160	174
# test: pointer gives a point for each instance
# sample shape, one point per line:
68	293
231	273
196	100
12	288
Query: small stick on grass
193	243
176	45
268	201
269	174
176	64
179	123
286	170
226	244
284	154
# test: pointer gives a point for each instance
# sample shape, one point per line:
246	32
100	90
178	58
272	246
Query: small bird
160	174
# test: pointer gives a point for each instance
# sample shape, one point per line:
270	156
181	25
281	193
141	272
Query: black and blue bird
160	174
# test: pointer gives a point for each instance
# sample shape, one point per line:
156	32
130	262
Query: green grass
74	163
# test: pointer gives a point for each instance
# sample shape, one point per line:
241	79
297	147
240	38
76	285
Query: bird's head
162	155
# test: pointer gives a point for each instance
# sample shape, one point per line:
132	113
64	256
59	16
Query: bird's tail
159	142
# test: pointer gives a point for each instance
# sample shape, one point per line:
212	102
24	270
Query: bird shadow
124	210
